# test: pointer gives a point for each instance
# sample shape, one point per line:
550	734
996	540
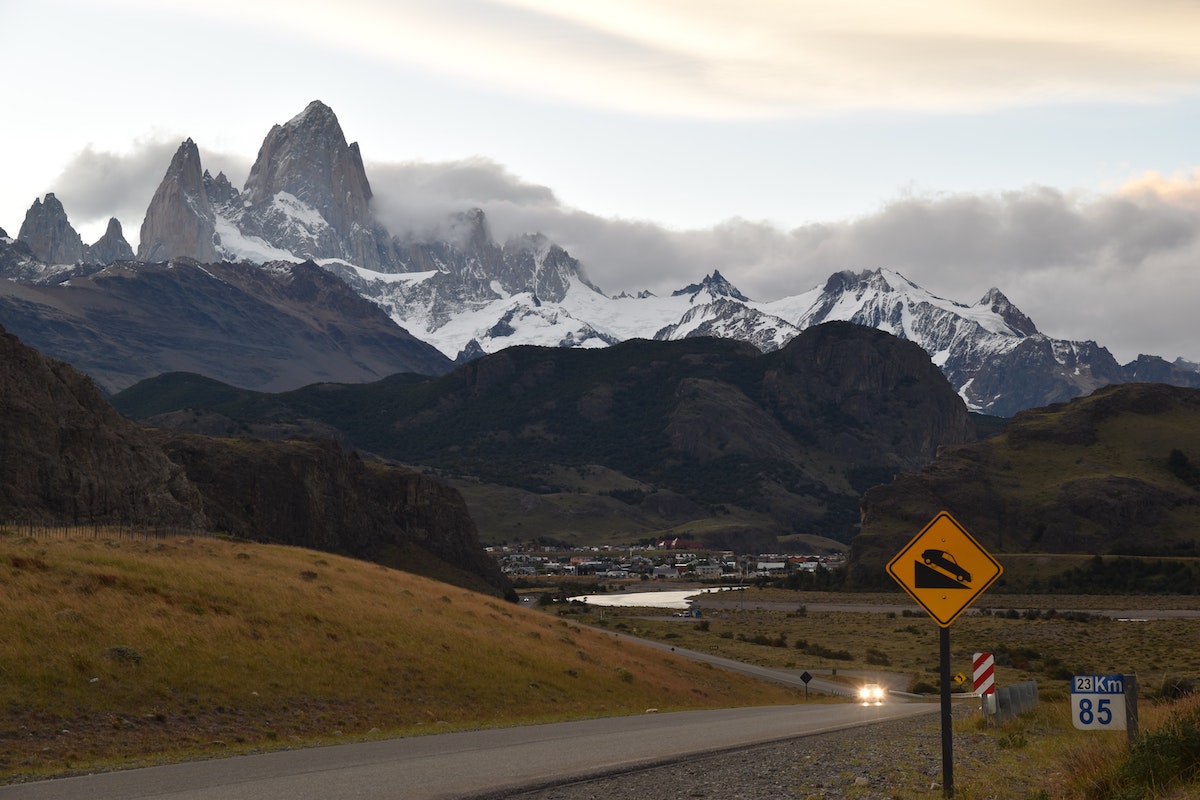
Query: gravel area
892	760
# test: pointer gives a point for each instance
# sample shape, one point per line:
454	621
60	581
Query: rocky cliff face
509	289
308	193
53	241
49	234
180	221
1037	371
17	261
307	197
867	396
67	457
312	494
111	246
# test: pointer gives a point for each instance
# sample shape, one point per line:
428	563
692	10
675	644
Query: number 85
1102	714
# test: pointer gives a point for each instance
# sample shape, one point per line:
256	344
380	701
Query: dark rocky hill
1114	473
67	457
709	437
312	493
270	328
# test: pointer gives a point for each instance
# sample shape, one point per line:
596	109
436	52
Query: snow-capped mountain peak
307	197
715	286
999	305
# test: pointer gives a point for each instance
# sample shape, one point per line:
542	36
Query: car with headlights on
872	694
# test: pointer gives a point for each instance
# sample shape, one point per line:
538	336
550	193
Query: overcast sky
1050	148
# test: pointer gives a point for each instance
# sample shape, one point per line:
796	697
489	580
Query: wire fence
108	532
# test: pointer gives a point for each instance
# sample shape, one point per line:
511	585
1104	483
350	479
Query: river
662	599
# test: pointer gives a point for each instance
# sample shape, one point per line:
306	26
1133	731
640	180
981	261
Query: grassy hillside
1112	474
127	653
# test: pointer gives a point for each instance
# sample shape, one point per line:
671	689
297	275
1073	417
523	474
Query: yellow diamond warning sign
944	569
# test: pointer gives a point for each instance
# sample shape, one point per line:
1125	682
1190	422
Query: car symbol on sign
940	558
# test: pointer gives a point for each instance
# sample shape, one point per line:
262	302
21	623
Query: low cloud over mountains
1122	263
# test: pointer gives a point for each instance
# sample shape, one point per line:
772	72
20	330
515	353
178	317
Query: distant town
668	560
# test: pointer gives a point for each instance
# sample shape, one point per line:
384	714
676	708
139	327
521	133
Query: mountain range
846	431
308	200
702	438
844	436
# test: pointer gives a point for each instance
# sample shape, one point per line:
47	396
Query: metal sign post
944	569
947	721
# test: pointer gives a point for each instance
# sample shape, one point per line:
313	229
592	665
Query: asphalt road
472	764
816	683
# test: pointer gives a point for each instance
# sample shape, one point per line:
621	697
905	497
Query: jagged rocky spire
308	157
305	165
716	285
49	234
180	220
52	240
111	246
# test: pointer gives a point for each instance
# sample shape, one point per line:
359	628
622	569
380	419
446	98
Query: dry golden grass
1048	650
122	653
1040	754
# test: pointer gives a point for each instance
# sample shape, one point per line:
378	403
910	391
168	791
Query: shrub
1012	741
1173	687
820	651
124	654
1168	755
778	640
1181	467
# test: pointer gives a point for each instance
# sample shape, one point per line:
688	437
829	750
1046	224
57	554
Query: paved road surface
789	677
470	764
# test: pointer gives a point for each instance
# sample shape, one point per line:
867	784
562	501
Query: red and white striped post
984	671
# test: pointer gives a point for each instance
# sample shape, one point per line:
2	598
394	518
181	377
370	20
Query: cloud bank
1121	268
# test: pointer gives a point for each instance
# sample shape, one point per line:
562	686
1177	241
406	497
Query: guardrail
1011	701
